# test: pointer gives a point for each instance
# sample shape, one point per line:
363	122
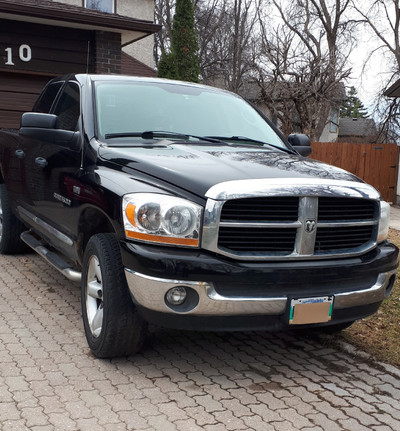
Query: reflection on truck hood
197	167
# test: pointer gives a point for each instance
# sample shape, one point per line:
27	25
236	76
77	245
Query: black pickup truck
182	205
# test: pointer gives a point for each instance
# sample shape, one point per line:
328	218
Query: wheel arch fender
93	220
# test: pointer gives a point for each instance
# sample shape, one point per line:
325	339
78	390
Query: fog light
176	295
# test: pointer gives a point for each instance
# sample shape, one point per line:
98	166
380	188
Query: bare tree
227	30
303	61
163	14
298	58
382	17
226	33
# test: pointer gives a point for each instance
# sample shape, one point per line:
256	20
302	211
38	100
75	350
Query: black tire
113	327
10	227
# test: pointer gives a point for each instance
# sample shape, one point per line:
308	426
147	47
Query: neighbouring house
252	92
357	130
40	39
393	90
331	130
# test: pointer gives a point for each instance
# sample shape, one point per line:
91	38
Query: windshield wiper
148	134
250	141
122	135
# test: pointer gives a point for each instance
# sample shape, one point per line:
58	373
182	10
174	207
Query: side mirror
38	120
42	127
301	143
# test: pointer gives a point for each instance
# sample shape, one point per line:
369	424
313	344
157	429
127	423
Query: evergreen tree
167	66
182	62
353	107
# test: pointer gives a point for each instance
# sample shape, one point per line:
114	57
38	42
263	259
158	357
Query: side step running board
53	258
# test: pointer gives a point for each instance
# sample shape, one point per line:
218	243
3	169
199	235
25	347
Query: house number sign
29	47
24	54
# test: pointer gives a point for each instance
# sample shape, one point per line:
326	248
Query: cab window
68	107
47	98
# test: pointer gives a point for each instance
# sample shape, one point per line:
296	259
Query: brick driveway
181	381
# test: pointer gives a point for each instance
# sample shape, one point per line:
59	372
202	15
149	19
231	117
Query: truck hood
197	167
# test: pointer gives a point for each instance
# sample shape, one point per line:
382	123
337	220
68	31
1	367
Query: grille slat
261	209
336	239
270	241
280	240
345	209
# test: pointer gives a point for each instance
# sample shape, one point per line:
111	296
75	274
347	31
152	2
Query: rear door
18	93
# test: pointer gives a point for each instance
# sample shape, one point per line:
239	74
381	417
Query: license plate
310	310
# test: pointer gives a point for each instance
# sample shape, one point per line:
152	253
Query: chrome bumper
150	292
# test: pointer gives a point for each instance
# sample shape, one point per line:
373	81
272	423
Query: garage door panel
17	101
12	119
13	82
18	92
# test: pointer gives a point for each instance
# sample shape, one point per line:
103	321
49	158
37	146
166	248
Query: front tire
10	227
112	324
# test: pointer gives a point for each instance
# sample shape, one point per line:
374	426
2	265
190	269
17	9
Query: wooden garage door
18	93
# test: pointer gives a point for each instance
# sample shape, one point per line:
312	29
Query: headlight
161	219
384	221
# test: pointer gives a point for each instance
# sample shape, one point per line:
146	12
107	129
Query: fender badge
62	199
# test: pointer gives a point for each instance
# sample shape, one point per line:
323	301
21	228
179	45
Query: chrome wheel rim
94	297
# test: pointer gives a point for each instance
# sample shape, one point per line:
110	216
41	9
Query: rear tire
10	227
112	324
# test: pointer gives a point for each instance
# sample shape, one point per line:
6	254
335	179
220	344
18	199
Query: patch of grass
379	335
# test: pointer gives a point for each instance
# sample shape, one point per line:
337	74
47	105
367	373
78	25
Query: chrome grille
339	225
324	223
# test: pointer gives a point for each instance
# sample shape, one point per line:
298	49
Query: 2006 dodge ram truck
182	205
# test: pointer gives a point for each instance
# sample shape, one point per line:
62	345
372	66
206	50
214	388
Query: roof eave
393	90
130	29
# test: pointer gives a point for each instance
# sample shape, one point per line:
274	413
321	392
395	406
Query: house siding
142	50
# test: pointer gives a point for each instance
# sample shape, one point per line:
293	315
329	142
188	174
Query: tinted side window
47	98
68	107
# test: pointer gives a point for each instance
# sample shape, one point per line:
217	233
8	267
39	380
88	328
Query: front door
48	169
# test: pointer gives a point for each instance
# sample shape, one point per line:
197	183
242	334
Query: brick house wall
107	55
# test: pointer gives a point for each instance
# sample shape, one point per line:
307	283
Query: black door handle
20	154
40	161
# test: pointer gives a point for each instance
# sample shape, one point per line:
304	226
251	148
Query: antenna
88	56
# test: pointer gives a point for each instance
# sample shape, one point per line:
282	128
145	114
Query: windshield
130	108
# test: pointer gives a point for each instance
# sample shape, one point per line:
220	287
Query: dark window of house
68	108
46	100
101	5
334	121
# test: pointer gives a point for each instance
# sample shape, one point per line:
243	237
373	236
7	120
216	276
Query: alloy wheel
94	297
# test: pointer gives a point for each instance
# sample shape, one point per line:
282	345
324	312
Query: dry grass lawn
379	335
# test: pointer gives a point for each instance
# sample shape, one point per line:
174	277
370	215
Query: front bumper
150	293
226	294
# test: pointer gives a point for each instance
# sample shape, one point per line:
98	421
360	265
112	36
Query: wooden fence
375	164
